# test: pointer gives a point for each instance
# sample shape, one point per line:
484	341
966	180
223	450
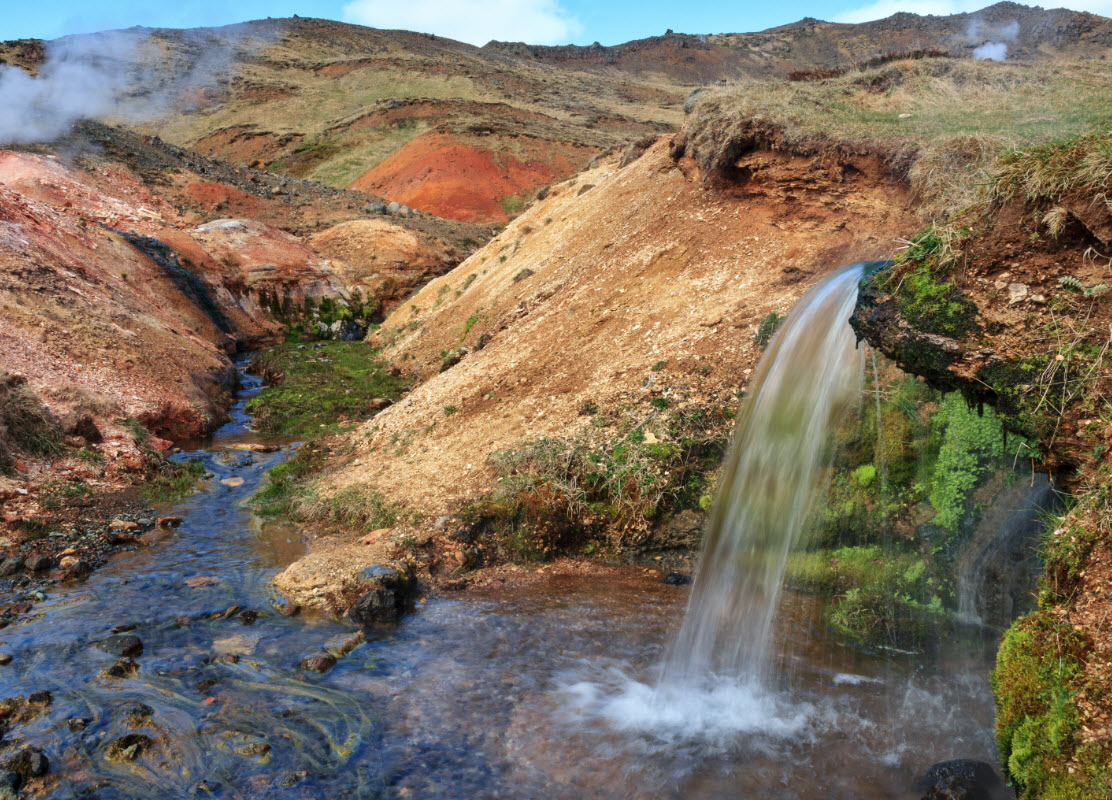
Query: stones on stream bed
253	749
319	662
676	579
125	667
123	644
962	779
388	588
27	763
128	747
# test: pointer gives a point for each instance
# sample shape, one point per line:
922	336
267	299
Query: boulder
11	566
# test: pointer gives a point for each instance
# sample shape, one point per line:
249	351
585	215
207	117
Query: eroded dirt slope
621	287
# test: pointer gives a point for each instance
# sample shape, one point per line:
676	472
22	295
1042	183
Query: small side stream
498	695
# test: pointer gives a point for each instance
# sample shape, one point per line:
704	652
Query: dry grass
25	424
940	122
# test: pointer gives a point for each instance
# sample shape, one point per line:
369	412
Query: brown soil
630	267
468	177
390	261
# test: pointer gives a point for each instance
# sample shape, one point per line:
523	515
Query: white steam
120	75
995	46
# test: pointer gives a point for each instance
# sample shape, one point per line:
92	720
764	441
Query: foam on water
718	716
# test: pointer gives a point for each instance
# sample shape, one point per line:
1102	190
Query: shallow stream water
537	692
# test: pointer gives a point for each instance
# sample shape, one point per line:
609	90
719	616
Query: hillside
473	133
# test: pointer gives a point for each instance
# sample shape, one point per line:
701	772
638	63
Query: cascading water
810	377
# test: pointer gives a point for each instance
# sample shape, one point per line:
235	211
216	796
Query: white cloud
886	8
473	21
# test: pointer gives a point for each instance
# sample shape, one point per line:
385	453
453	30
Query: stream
537	692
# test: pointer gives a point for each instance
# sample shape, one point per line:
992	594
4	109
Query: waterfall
998	571
810	377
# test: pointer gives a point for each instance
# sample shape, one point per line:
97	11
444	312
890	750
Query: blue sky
477	21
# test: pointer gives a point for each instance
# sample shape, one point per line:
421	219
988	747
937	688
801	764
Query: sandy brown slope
613	272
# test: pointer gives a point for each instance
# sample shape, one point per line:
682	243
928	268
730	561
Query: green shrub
767	328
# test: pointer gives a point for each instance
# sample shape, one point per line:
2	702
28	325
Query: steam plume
127	75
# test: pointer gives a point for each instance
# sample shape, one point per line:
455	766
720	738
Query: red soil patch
467	178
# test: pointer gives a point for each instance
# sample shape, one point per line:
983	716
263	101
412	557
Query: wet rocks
169	522
137	715
961	779
288	609
343	644
676	579
125	667
38	563
378	606
388	587
78	723
75	567
5	659
254	749
320	662
27	763
128	747
40	699
12	565
124	644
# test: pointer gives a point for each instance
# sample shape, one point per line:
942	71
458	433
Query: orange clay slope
471	178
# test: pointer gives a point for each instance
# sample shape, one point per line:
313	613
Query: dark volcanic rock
124	644
28	763
379	605
962	779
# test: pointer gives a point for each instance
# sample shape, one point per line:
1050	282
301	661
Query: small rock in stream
28	763
288	609
128	747
253	749
5	659
137	715
39	563
78	723
40	699
676	579
123	668
9	779
169	522
293	779
962	778
321	662
123	644
11	566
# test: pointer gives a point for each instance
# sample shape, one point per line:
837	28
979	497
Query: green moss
1035	682
174	480
934	307
324	385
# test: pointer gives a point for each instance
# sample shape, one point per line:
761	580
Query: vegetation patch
900	508
1036	682
613	480
173	480
25	423
320	386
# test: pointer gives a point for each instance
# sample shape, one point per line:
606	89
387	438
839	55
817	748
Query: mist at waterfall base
752	677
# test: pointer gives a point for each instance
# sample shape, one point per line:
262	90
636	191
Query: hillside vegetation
939	122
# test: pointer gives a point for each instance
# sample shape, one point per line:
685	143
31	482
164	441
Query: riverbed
544	691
